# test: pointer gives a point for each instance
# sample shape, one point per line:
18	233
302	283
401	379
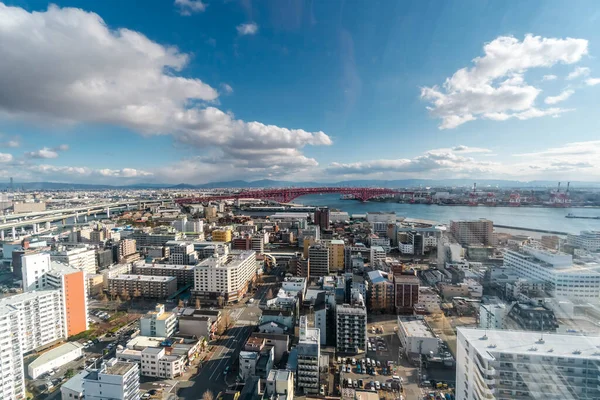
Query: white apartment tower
228	275
81	258
12	379
508	365
114	380
35	267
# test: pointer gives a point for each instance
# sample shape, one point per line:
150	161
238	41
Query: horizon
201	91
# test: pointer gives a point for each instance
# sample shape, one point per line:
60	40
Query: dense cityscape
171	294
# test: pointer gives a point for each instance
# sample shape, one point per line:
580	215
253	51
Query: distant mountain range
268	183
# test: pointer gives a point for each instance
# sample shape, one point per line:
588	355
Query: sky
190	91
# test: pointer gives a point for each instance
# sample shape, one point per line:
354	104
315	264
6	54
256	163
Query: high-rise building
115	380
507	365
82	258
309	353
322	217
377	254
406	293
318	255
72	284
11	354
351	325
227	276
183	254
336	255
380	295
34	267
563	277
192	226
479	231
127	251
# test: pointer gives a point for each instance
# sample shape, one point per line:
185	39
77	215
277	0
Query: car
378	364
322	390
146	396
358	369
397	378
361	383
377	385
355	384
339	360
353	361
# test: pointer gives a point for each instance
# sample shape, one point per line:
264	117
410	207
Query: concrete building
564	278
182	253
73	388
294	284
144	239
126	251
227	276
11	353
55	358
34	268
380	293
158	323
322	218
377	254
351	326
114	270
492	314
318	256
480	231
406	293
40	315
192	226
503	365
200	323
146	286
429	301
114	380
72	285
183	273
416	336
336	255
221	235
385	217
156	363
279	342
280	384
82	258
587	240
309	354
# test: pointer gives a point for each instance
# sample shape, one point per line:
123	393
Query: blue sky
198	91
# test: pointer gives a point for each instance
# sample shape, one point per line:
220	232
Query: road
225	351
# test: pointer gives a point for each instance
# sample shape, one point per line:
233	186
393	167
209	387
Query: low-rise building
199	323
54	358
280	384
115	380
406	292
73	388
146	286
157	363
158	322
416	336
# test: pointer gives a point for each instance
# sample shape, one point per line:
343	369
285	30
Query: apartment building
318	255
587	240
309	353
377	253
144	239
280	384
126	251
146	286
228	276
72	284
158	323
406	293
82	258
155	362
114	270
191	226
479	231
115	380
507	365
351	326
221	235
563	277
34	268
183	273
336	254
322	217
182	253
41	317
12	379
380	293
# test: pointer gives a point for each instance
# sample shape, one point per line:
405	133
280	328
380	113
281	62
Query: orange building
72	283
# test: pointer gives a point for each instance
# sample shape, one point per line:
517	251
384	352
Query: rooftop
59	268
231	260
119	368
490	342
75	384
415	327
148	278
55	353
165	266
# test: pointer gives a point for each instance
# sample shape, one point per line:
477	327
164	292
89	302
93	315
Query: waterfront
526	217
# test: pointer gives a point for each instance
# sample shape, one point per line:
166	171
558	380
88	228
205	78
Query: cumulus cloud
189	7
564	95
247	29
494	88
70	172
5	158
120	77
578	72
47	152
549	77
592	81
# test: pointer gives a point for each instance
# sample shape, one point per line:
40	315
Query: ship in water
570	215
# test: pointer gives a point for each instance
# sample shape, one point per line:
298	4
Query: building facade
115	380
146	286
158	323
318	256
480	231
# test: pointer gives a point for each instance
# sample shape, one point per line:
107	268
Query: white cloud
189	7
10	143
247	29
592	81
578	72
5	157
466	149
494	87
549	77
42	153
72	173
564	95
94	74
227	89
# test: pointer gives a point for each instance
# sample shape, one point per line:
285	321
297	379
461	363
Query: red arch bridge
285	195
